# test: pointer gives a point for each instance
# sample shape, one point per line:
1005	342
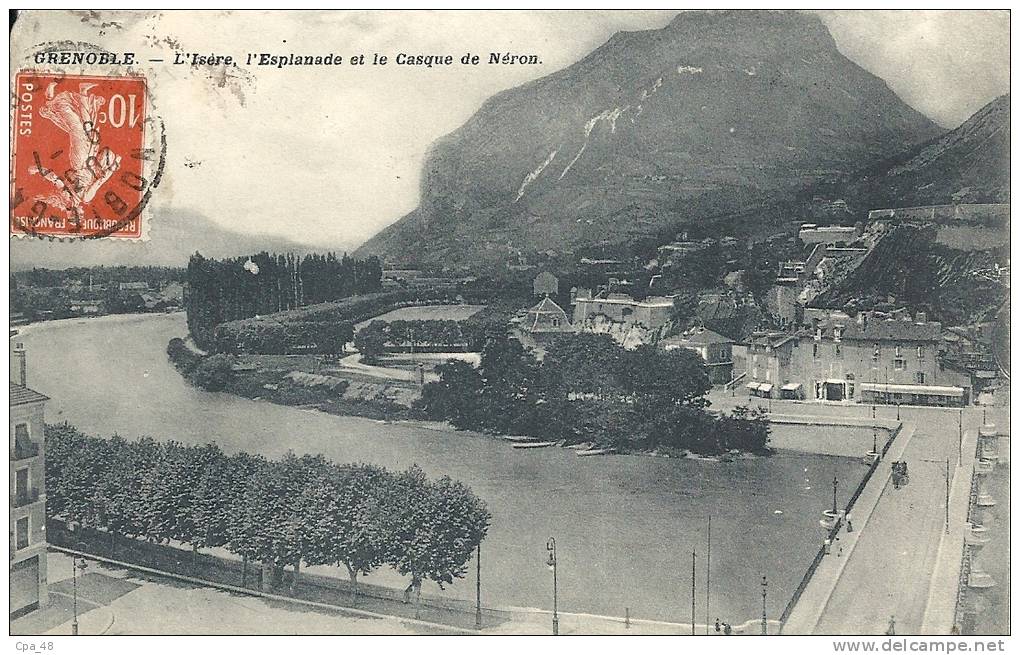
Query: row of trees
270	337
589	389
378	337
227	290
278	513
154	276
322	328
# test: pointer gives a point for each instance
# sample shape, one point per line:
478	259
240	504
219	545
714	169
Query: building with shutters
28	492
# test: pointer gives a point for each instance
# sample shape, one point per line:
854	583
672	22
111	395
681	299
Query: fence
219	570
965	564
820	555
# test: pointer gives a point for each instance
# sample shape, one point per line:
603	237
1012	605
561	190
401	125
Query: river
625	526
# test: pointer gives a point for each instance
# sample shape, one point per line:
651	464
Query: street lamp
77	562
959	451
478	589
551	563
835	484
764	616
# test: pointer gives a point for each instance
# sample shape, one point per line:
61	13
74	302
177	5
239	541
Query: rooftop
546	306
697	337
873	328
24	396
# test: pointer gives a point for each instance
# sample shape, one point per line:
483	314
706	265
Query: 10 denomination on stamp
78	157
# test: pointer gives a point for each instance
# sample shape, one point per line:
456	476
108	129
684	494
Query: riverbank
625	526
336	394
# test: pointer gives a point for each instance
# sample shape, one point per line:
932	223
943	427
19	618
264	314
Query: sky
330	156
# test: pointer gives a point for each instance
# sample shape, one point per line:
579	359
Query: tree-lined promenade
294	511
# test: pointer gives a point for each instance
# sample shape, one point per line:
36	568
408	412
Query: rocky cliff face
706	116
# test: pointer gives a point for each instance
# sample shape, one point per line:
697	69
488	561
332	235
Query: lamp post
897	411
874	441
77	563
764	616
835	484
551	563
694	576
478	588
959	448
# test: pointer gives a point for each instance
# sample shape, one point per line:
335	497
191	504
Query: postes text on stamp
78	156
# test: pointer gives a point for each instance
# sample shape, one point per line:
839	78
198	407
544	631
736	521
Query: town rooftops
624	299
770	339
870	326
24	396
546	306
700	337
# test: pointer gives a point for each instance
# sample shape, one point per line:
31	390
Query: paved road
891	566
114	601
889	571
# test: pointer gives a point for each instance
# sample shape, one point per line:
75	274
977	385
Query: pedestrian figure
718	628
727	628
407	593
849	524
891	630
840	553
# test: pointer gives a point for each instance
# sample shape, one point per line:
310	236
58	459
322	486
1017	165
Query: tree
346	518
685	307
433	529
454	397
371	340
666	377
214	373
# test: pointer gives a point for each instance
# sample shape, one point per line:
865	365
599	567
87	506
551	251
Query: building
874	358
28	492
767	365
829	234
134	286
173	293
652	312
714	348
547	318
871	358
546	284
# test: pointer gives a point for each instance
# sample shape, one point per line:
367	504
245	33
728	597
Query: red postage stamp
78	156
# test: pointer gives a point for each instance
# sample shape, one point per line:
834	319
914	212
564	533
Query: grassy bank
218	373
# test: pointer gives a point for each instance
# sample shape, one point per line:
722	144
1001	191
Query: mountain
947	268
712	114
969	164
174	236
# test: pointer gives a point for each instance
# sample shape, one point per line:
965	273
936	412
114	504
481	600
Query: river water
625	526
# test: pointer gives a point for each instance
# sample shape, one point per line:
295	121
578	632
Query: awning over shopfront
765	387
793	386
918	389
753	386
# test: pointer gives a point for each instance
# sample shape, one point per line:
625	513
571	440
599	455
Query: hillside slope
174	237
969	164
707	115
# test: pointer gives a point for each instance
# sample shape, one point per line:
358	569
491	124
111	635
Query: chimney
19	365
